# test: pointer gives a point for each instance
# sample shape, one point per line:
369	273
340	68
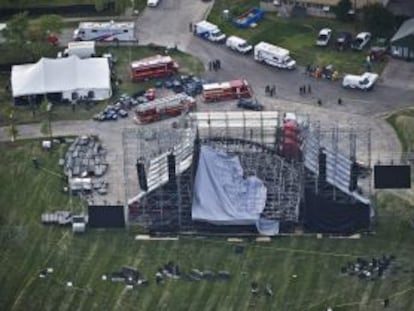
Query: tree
13	132
41	27
121	5
342	10
379	20
46	127
16	31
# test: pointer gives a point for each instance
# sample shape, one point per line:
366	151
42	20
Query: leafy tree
16	31
379	20
99	5
342	9
13	132
41	27
46	109
121	5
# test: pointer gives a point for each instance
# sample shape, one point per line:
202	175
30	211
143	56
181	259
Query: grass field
298	35
23	114
403	124
28	247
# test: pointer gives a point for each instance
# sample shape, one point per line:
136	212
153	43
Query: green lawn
298	35
188	64
403	124
27	247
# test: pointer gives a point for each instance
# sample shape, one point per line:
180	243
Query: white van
364	82
238	44
209	31
274	56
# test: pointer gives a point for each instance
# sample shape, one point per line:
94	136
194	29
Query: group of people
214	65
369	269
270	90
303	89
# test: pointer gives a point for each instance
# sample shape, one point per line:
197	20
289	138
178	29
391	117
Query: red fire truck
226	90
152	67
171	106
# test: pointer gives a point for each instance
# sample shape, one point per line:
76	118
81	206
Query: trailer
274	56
153	67
249	17
170	106
213	92
108	32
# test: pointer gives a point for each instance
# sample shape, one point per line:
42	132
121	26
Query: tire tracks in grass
31	277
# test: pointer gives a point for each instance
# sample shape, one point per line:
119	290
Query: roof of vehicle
271	48
81	44
224	85
236	39
363	34
153	60
110	24
363	76
206	24
325	31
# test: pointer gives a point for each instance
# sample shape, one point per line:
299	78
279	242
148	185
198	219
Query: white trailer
110	31
82	49
273	56
209	31
238	44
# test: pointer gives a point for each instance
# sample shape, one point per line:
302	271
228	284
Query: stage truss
255	138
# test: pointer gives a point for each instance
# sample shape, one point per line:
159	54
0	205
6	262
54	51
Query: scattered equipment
248	18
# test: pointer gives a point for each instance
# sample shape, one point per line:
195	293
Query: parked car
123	113
250	103
364	82
324	37
343	41
361	40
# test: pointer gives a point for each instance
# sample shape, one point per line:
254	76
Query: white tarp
222	195
62	75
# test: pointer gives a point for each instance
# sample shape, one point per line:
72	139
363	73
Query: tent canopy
60	75
405	34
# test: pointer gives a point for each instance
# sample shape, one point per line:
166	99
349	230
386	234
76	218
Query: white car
364	82
153	3
361	40
323	37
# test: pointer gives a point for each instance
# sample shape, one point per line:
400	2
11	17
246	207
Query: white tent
71	76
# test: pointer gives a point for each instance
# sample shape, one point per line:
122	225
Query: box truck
273	55
82	49
111	31
209	31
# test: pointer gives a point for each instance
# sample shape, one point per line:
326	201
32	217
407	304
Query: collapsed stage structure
244	172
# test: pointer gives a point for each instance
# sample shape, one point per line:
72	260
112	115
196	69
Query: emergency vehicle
170	106
153	67
234	89
109	31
